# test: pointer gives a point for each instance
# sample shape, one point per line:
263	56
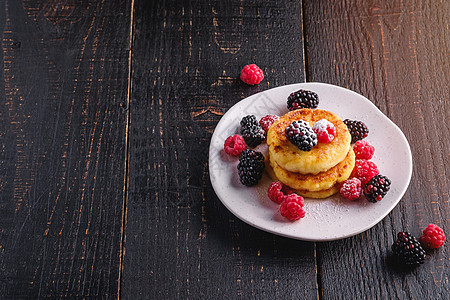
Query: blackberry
376	188
301	135
251	167
252	131
302	99
408	249
357	129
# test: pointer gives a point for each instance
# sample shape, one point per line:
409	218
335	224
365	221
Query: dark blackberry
252	131
376	188
301	135
302	99
357	129
408	249
251	167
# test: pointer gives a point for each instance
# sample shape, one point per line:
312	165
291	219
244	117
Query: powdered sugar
322	124
324	130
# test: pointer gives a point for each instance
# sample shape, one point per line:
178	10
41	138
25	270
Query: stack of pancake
316	173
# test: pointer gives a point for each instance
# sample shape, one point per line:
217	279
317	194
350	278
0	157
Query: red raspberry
297	198
252	74
363	150
364	170
234	145
292	207
267	121
277	191
351	189
324	130
433	237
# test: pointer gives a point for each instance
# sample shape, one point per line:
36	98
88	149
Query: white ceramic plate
328	219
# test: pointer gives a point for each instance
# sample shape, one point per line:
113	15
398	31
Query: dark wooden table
107	109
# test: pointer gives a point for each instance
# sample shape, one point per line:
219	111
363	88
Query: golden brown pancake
305	193
319	194
322	157
319	182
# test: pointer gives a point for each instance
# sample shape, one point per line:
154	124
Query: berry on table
358	129
251	131
433	237
234	145
302	99
292	207
377	188
408	249
363	150
277	191
324	130
251	167
301	135
252	74
267	121
351	189
364	170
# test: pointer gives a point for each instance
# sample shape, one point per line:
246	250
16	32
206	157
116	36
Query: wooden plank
396	54
181	242
63	79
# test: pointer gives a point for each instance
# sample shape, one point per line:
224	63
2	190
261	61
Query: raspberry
301	135
358	129
324	130
267	121
252	74
251	167
234	145
292	207
408	249
363	150
351	189
433	237
302	99
376	188
251	131
364	170
277	191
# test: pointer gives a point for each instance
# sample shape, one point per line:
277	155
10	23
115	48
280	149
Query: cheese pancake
322	157
305	193
321	181
319	194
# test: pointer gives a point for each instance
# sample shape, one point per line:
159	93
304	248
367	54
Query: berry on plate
351	189
324	130
301	135
251	167
377	188
302	99
234	145
252	74
267	121
292	207
251	131
433	237
363	150
364	170
277	191
358	129
408	249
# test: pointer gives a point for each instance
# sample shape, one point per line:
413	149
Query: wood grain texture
181	242
63	78
396	53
